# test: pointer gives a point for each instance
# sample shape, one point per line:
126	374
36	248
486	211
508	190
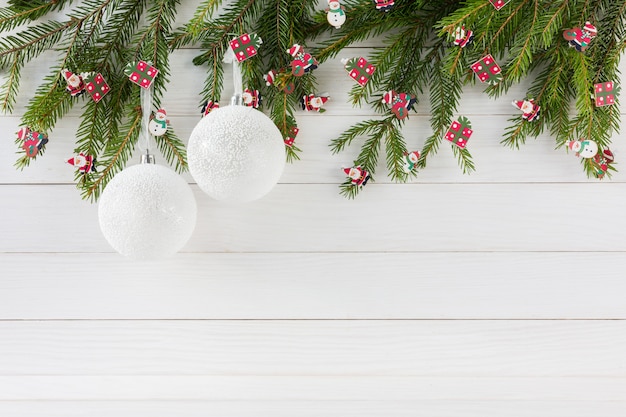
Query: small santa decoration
303	62
357	175
601	163
463	37
529	108
158	123
314	103
75	83
251	98
84	163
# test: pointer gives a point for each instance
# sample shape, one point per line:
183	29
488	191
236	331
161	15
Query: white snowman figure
410	159
158	123
335	14
584	148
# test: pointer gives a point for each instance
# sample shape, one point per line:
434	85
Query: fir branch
464	158
173	149
11	86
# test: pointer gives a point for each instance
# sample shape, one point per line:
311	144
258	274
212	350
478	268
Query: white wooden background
498	293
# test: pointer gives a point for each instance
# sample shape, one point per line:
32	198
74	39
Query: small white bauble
147	211
236	153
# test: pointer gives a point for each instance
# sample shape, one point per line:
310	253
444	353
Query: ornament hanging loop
237	98
146	109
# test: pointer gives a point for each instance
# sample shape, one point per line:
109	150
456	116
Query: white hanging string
229	58
146	108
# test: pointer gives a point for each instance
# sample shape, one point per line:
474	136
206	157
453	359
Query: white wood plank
537	161
468	349
572	407
390	218
318	388
314	286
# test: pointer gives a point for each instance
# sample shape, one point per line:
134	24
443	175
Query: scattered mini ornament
33	141
463	37
604	93
141	73
601	163
498	4
246	46
400	103
529	108
359	69
251	98
384	5
303	62
75	83
236	153
293	132
357	175
147	211
209	106
96	86
410	160
280	80
583	147
459	132
270	77
158	123
84	163
488	70
335	14
580	38
313	102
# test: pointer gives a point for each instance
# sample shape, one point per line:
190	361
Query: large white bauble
147	211
236	153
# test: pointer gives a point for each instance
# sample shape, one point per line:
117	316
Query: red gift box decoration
96	86
246	46
459	132
498	4
487	69
604	93
359	69
141	73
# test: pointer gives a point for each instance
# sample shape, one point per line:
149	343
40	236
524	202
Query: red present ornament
604	93
141	73
96	86
359	69
498	4
488	70
459	132
291	137
246	46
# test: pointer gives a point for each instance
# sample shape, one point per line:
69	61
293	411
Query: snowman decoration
410	160
583	148
158	123
335	14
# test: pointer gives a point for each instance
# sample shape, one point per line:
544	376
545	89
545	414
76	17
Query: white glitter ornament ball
236	153
147	211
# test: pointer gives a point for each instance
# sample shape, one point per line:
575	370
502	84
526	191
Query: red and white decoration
246	46
96	86
359	69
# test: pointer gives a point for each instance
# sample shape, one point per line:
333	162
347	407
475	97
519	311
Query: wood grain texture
493	407
388	218
337	348
457	285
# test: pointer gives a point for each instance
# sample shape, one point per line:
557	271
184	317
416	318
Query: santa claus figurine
84	163
303	62
251	98
529	109
75	83
358	176
314	103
